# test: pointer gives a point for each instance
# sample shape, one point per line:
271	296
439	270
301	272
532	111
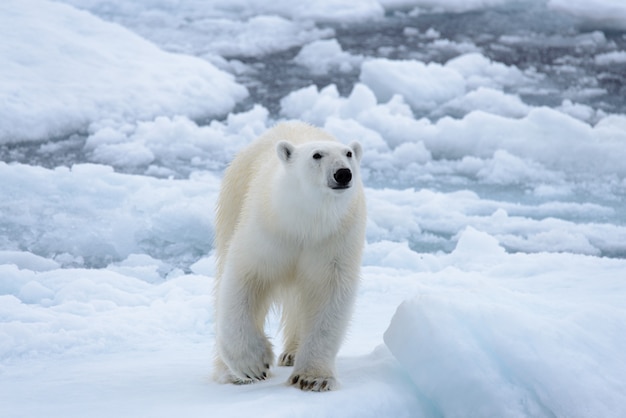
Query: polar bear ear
357	150
285	150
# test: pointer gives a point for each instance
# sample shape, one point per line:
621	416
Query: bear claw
286	359
314	384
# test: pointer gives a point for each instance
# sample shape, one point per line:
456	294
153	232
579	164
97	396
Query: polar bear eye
317	156
349	154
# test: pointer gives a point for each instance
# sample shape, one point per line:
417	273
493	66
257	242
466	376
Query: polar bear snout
342	177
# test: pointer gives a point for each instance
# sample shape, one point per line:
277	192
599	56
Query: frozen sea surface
494	273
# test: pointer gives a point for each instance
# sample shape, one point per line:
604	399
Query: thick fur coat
290	230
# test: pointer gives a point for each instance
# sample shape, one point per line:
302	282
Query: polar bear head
322	165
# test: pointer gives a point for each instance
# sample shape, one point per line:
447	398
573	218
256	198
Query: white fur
286	233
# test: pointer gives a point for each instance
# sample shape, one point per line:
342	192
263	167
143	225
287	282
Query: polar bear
290	230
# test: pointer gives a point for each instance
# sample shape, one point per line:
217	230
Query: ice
442	217
562	357
89	214
603	13
245	28
390	119
579	111
539	135
79	311
182	386
27	261
145	268
164	146
322	10
470	81
443	5
494	148
608	58
424	86
322	56
57	78
479	71
248	38
487	100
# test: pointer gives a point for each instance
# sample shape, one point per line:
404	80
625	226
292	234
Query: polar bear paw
249	370
312	383
287	359
250	364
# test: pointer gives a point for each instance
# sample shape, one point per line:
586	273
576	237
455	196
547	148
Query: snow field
61	77
486	333
487	289
552	346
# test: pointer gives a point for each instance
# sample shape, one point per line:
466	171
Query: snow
456	6
424	86
172	142
320	57
59	77
255	36
437	88
603	13
236	28
608	58
561	357
487	100
319	10
90	214
606	13
493	272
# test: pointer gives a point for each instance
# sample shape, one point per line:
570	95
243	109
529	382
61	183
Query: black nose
343	176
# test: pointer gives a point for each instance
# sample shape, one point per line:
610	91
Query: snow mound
487	100
424	86
435	87
252	37
174	146
320	57
609	58
501	338
90	215
499	140
64	69
491	221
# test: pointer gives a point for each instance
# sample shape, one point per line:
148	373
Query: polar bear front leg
328	309
291	323
241	342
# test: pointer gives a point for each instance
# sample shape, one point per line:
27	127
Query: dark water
558	48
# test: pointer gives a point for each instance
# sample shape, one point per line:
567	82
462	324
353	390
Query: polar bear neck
310	218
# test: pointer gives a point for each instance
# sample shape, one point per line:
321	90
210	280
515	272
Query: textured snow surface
494	272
